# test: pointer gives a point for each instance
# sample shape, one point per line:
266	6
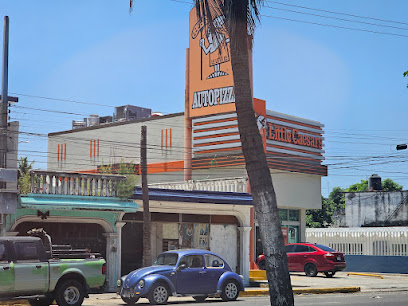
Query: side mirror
181	267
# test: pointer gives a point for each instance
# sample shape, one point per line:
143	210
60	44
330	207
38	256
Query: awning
71	202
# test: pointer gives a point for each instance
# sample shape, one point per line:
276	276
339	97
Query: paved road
396	298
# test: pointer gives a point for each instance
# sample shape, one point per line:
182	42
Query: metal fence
380	241
232	184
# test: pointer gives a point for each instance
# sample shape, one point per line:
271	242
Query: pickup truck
28	272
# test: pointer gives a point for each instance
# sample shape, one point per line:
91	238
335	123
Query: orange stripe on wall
161	142
65	151
166	138
215	121
170	138
214	136
217	143
58	153
165	167
219	150
216	128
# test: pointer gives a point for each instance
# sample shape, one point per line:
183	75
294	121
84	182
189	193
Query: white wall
376	207
117	142
224	242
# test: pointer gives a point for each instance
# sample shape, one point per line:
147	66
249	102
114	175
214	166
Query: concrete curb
248	293
265	291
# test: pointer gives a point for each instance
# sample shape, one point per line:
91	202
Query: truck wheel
41	301
230	291
159	294
130	301
70	293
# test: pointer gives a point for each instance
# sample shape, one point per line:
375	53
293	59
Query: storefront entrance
78	235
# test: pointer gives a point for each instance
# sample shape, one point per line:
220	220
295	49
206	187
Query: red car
310	258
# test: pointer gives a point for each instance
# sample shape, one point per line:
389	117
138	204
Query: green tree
240	22
126	187
358	187
390	185
24	178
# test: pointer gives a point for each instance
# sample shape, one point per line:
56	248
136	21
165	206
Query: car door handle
6	268
202	272
38	267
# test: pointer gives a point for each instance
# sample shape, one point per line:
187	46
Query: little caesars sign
212	97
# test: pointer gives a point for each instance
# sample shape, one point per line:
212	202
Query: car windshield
166	259
324	248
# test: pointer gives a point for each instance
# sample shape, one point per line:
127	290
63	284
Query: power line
338	13
337	18
335	26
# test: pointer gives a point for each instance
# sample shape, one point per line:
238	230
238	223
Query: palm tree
240	20
406	74
23	166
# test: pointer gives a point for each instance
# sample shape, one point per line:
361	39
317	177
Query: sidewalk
341	282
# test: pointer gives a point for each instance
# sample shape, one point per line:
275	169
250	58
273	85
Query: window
283	214
26	251
293	215
288	215
212	261
193	261
3	254
302	248
324	248
166	259
290	248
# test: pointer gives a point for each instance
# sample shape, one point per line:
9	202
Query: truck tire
46	301
70	293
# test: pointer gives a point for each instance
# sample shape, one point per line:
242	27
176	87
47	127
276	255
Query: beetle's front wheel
159	294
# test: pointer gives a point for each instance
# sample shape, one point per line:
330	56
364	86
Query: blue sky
96	52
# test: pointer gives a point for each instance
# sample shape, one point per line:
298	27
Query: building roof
196	196
116	124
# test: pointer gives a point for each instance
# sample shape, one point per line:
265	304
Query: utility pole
8	196
147	257
4	100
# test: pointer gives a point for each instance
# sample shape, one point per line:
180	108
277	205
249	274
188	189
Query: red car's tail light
329	256
104	268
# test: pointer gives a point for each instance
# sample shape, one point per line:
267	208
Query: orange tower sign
210	73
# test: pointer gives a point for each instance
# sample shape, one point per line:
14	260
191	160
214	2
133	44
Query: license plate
338	258
125	293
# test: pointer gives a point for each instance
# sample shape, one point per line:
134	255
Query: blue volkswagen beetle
196	273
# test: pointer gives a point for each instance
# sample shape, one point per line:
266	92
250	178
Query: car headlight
119	282
141	283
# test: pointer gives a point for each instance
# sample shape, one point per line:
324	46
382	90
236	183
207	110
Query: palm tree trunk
263	194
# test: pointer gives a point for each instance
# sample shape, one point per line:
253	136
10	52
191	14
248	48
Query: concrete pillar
111	258
302	227
119	226
244	252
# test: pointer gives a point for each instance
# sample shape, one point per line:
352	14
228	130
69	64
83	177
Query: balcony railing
231	184
66	183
